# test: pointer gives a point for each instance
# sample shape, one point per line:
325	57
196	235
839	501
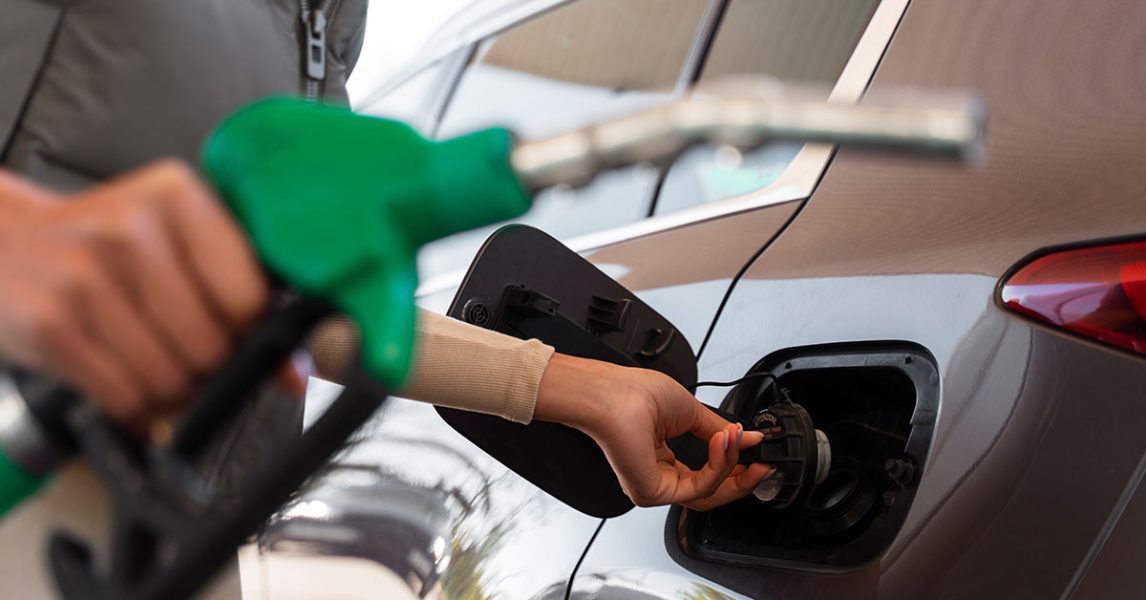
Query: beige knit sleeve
455	364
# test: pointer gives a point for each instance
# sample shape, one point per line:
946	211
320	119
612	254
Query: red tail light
1097	292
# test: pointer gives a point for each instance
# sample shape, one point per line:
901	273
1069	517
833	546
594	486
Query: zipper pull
315	25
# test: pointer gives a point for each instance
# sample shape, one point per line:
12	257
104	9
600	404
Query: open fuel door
526	284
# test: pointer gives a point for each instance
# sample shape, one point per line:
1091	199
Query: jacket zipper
314	25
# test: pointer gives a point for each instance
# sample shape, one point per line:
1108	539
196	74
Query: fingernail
725	434
740	436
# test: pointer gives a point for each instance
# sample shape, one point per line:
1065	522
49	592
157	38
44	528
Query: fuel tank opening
841	507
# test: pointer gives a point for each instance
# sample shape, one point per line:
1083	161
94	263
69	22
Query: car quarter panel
1063	83
1036	442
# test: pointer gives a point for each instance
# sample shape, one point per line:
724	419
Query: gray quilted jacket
91	88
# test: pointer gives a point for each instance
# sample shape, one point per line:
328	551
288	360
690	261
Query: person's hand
129	291
631	413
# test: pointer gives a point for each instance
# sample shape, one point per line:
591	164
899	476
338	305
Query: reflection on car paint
433	509
631	548
634	584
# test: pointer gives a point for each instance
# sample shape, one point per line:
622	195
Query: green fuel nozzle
338	204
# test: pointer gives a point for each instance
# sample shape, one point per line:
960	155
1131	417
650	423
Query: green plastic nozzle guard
337	205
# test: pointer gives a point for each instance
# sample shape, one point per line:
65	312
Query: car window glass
573	65
802	42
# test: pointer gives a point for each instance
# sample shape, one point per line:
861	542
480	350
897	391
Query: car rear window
801	42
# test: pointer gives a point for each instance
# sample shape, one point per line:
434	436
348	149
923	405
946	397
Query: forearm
467	367
455	364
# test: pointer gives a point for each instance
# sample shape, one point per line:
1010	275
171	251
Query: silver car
971	340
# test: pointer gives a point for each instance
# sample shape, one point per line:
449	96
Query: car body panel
884	250
772	315
712	250
705	258
1036	451
1004	383
1118	557
1065	146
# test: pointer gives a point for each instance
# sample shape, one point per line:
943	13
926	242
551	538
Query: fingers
174	305
721	480
723	453
212	245
742	481
156	279
192	276
81	360
196	274
108	314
